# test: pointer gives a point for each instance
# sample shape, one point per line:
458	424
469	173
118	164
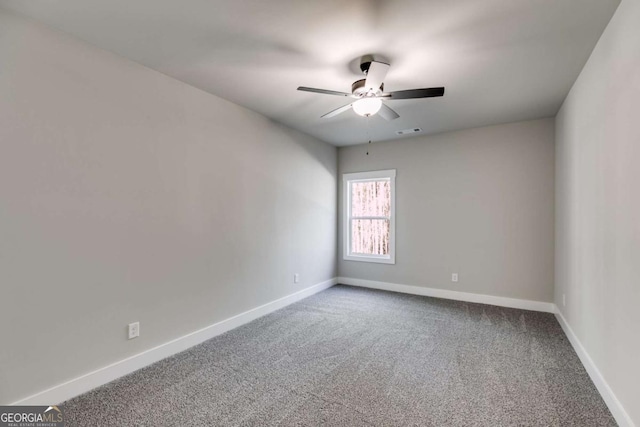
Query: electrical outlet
564	300
454	277
134	330
296	278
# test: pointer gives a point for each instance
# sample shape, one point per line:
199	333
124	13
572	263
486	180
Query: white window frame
349	178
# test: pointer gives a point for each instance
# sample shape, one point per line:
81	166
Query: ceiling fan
369	93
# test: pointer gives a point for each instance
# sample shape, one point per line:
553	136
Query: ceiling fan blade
376	74
415	93
387	113
337	111
324	91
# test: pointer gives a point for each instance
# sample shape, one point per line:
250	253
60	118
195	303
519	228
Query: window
369	216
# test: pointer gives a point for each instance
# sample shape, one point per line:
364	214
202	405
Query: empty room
303	213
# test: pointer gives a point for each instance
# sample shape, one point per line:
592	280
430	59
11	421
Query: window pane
370	236
371	198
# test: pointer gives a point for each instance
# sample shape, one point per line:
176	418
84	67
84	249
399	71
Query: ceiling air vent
408	131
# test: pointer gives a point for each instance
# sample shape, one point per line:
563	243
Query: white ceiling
500	60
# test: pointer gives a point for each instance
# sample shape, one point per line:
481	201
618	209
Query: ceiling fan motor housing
359	90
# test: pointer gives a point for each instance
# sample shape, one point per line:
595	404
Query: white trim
370	175
617	410
380	259
347	178
547	307
91	380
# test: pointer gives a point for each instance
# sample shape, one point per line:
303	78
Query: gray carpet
359	357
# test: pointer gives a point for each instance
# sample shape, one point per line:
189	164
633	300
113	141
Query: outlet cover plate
134	330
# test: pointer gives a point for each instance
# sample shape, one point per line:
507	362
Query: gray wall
477	202
598	206
126	195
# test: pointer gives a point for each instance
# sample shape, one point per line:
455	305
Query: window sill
374	259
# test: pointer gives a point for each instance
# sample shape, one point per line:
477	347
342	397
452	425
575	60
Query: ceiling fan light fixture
369	91
367	106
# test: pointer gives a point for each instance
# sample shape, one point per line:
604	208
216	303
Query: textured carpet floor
358	357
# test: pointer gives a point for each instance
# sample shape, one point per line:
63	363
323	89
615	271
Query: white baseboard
89	381
84	383
617	410
523	304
